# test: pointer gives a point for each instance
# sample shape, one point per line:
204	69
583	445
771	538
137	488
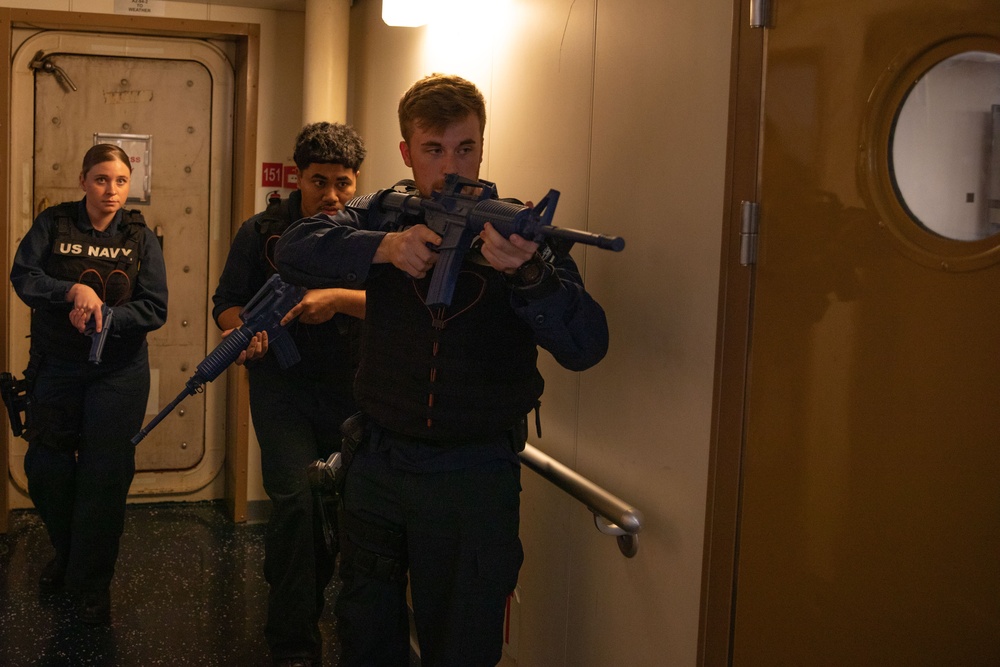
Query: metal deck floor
188	590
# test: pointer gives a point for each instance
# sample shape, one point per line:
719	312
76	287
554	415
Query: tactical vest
272	223
109	265
464	372
327	351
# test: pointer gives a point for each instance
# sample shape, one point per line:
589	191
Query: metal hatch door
869	509
168	102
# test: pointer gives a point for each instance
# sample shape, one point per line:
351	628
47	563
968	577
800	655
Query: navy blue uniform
296	414
80	461
433	490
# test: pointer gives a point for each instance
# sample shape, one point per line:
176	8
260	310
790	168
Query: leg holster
326	478
385	560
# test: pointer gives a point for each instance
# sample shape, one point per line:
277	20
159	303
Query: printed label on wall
141	7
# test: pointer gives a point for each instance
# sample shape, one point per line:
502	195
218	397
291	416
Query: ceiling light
405	13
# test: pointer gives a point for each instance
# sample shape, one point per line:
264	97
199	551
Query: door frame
732	354
246	38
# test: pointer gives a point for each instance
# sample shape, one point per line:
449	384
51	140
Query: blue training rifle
458	214
263	313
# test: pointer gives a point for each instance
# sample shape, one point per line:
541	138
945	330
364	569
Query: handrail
621	519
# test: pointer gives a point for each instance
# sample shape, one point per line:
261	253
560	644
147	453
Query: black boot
52	577
96	608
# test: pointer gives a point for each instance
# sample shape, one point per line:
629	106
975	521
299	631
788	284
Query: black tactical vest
328	349
272	223
465	372
109	265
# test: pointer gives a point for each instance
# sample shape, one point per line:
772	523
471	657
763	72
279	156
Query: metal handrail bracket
612	515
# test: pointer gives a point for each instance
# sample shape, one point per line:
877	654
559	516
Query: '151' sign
270	176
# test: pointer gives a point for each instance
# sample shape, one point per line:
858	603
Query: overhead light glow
406	13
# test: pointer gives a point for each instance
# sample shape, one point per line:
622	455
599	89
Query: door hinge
750	221
760	13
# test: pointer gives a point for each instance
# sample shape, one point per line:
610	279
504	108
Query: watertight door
168	103
870	504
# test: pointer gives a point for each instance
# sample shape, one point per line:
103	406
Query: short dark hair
438	100
329	143
99	153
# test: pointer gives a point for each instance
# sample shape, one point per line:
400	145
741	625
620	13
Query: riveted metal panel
170	101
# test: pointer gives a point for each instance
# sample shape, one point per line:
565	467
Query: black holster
17	396
17	400
327	480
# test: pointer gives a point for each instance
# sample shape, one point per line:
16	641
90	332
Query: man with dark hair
431	494
297	411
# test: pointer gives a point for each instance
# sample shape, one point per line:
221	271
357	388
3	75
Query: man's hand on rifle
408	250
505	254
230	318
255	350
319	305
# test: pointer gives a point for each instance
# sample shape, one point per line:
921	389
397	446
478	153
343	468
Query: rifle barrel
144	431
615	243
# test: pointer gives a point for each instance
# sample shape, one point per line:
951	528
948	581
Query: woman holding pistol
76	258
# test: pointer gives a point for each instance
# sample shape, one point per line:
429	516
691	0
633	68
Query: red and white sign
270	175
291	177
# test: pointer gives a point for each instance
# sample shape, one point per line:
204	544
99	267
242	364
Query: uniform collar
83	220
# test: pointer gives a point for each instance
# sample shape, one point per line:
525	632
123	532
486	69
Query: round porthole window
945	148
930	152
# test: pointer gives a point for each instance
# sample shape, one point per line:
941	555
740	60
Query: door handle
42	62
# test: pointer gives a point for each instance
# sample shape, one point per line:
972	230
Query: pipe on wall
324	70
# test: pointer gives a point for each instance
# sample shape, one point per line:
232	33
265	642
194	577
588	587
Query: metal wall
622	106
